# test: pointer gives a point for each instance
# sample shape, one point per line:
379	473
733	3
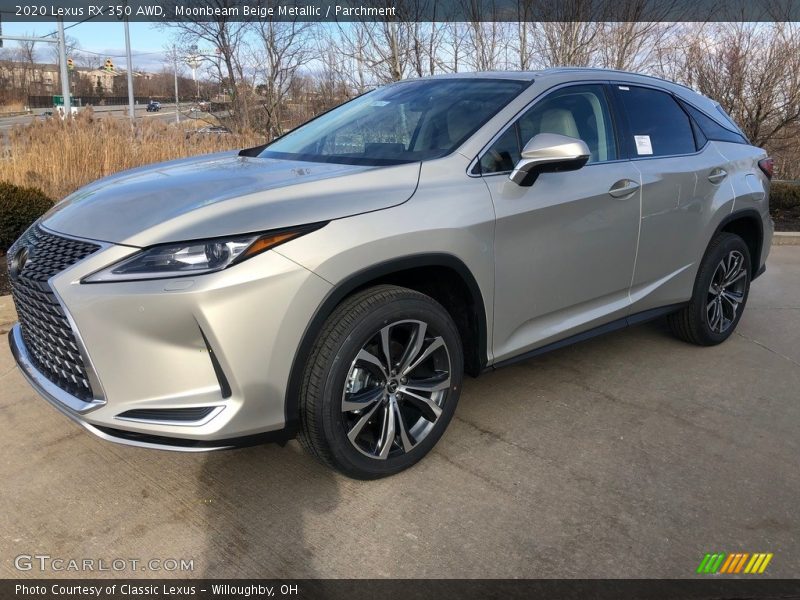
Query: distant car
46	114
154	107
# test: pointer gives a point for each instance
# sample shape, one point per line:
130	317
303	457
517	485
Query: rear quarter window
711	129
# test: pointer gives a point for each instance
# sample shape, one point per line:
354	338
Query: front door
564	247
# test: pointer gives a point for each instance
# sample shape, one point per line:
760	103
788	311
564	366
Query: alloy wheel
726	292
396	389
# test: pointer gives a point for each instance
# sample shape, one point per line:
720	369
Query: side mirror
548	153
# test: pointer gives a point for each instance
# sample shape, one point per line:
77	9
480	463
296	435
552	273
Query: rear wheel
720	293
382	382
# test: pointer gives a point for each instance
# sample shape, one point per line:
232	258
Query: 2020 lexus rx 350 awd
337	283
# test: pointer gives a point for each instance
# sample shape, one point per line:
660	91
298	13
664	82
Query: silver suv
336	283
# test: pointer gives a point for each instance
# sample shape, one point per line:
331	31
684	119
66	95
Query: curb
786	238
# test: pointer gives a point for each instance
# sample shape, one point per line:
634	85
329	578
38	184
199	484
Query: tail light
767	165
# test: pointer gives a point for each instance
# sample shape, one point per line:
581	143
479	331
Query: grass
12	107
61	156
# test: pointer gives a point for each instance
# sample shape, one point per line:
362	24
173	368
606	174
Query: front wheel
720	293
381	383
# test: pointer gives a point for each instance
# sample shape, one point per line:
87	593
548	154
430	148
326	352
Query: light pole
177	101
62	58
193	60
131	107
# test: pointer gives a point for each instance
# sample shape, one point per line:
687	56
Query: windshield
404	122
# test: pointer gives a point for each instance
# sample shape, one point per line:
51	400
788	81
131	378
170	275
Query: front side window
659	127
577	111
404	122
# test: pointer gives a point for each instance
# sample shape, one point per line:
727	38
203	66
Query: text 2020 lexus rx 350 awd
337	283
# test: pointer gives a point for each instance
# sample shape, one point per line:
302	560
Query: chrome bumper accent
73	407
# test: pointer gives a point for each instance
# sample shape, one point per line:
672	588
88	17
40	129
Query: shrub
19	207
784	195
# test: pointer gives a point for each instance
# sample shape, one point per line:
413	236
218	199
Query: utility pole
177	102
131	107
62	58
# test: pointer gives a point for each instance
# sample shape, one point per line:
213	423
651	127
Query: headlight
194	258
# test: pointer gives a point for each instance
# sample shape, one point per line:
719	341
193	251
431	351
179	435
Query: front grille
46	331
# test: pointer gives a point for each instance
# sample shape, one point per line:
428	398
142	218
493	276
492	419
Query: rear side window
711	129
658	125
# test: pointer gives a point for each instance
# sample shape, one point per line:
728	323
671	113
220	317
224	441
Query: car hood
225	194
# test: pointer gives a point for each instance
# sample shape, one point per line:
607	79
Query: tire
351	399
716	306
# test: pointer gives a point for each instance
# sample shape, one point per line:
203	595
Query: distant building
44	79
104	80
33	78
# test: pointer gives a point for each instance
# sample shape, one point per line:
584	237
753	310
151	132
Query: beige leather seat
558	120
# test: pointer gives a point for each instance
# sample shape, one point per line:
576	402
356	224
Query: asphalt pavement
630	455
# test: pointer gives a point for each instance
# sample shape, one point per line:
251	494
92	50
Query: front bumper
71	406
223	341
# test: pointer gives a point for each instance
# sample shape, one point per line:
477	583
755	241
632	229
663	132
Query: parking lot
631	455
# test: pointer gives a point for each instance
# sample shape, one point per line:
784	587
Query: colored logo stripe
711	563
734	563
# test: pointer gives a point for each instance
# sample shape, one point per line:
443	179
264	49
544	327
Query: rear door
684	184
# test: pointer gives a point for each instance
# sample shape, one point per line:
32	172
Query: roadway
167	113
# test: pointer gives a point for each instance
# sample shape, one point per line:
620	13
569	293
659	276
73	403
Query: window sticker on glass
379	103
624	87
643	145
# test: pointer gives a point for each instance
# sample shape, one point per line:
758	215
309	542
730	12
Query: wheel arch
412	271
748	225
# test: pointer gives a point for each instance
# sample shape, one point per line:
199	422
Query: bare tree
25	55
227	37
565	43
450	55
485	37
633	45
284	47
752	70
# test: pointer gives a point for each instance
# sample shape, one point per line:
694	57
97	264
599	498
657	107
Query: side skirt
629	321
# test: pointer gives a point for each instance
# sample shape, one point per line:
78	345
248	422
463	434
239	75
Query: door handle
717	175
624	188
